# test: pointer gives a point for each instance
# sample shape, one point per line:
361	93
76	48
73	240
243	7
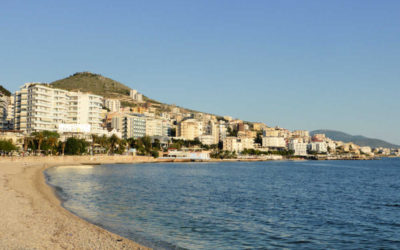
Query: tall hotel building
38	107
4	100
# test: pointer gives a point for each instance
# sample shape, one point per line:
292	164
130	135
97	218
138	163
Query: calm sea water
312	204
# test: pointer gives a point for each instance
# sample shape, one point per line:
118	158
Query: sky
294	64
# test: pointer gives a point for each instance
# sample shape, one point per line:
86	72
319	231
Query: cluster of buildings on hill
38	107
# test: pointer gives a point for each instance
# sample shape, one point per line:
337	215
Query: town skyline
267	123
295	65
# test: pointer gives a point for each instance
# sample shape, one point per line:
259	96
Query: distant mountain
4	91
357	139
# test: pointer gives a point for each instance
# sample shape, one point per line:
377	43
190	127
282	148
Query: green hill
4	91
357	139
94	83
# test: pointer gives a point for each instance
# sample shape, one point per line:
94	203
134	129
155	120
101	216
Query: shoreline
33	216
33	213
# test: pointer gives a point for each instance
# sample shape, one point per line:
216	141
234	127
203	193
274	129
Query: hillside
357	139
4	91
94	83
106	87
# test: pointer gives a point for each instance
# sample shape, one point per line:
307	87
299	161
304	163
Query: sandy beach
32	216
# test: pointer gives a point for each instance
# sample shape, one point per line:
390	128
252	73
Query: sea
240	205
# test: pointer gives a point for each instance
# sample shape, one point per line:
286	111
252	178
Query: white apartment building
222	131
299	148
113	105
157	127
207	139
273	142
318	147
85	108
211	129
135	95
231	143
39	107
247	142
237	144
4	100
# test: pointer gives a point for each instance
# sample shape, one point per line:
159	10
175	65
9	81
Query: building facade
299	148
273	142
4	101
113	105
190	129
38	107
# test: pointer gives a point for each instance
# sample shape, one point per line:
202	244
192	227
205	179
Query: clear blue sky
296	64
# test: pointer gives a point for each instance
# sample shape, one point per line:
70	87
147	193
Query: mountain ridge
357	139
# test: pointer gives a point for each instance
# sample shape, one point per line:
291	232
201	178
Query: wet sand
32	216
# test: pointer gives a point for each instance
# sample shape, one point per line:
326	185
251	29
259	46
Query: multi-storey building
38	107
274	142
157	127
136	95
211	129
300	133
4	100
134	126
231	143
276	132
190	129
113	105
10	113
318	147
299	148
207	139
222	130
129	125
85	108
237	144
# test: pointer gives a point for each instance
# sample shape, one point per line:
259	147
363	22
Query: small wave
392	205
76	167
61	194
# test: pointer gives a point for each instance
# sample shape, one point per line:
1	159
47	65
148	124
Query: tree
131	142
156	144
38	137
27	140
74	146
51	140
259	137
114	141
7	146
